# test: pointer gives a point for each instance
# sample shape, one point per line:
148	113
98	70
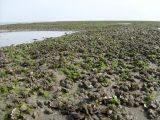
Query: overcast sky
65	10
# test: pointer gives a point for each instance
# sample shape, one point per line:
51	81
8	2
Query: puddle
137	112
15	38
123	23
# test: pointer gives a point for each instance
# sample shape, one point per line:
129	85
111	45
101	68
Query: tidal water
15	38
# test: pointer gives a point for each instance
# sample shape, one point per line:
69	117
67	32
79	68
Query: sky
78	10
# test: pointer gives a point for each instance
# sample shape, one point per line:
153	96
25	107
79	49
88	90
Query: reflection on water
15	38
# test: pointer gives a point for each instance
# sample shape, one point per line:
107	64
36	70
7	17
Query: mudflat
104	72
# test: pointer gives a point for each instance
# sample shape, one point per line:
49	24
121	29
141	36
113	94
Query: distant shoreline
72	25
7	23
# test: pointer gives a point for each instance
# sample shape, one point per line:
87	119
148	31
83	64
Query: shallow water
15	38
137	112
123	23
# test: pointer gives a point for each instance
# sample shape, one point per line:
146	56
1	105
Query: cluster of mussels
102	74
